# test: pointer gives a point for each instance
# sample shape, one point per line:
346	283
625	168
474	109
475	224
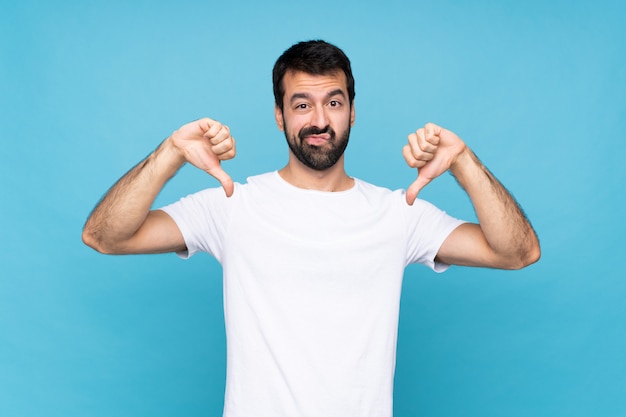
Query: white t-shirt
312	286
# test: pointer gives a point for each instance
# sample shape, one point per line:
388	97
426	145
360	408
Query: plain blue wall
537	89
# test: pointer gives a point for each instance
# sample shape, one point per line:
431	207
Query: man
312	258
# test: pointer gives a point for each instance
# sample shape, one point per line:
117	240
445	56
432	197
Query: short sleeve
201	218
427	228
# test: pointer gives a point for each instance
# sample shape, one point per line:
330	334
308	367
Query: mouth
315	136
317	140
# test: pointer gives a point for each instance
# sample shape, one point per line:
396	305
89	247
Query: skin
503	237
317	101
123	223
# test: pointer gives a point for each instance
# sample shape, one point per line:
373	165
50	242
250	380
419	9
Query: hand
204	144
432	150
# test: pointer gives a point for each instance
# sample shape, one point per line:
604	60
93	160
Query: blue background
537	89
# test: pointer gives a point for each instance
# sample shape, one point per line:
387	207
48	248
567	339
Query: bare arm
123	223
503	237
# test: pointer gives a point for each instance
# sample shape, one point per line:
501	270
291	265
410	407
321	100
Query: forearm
506	229
125	207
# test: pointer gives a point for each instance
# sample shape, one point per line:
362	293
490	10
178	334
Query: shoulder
251	183
266	179
378	193
372	189
395	202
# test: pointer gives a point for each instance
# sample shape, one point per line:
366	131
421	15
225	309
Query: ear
352	115
278	115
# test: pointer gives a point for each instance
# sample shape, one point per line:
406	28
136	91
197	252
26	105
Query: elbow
534	255
529	257
90	239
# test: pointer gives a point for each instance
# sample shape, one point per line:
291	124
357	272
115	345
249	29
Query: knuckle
216	128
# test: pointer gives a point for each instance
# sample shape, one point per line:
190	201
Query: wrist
170	156
463	161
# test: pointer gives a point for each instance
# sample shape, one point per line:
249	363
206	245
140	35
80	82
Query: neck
332	179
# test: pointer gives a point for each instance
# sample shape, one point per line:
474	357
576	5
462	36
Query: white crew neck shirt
312	285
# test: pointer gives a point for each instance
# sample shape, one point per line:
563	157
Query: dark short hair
315	57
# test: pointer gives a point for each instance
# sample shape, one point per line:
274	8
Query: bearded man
312	258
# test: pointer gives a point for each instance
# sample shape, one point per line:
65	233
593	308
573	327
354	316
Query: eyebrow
336	92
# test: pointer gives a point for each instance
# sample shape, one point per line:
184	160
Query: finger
410	159
414	138
415	188
225	150
431	133
215	129
223	135
223	146
205	124
426	142
417	144
224	179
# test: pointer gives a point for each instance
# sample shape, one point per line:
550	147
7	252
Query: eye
334	103
301	106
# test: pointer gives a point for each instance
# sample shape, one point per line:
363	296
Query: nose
319	117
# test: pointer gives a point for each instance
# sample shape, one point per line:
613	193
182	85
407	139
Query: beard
316	157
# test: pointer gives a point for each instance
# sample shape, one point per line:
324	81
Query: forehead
298	82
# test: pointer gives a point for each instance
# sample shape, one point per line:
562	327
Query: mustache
314	130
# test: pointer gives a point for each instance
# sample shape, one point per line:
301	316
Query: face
316	117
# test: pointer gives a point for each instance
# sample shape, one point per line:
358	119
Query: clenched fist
204	144
432	150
